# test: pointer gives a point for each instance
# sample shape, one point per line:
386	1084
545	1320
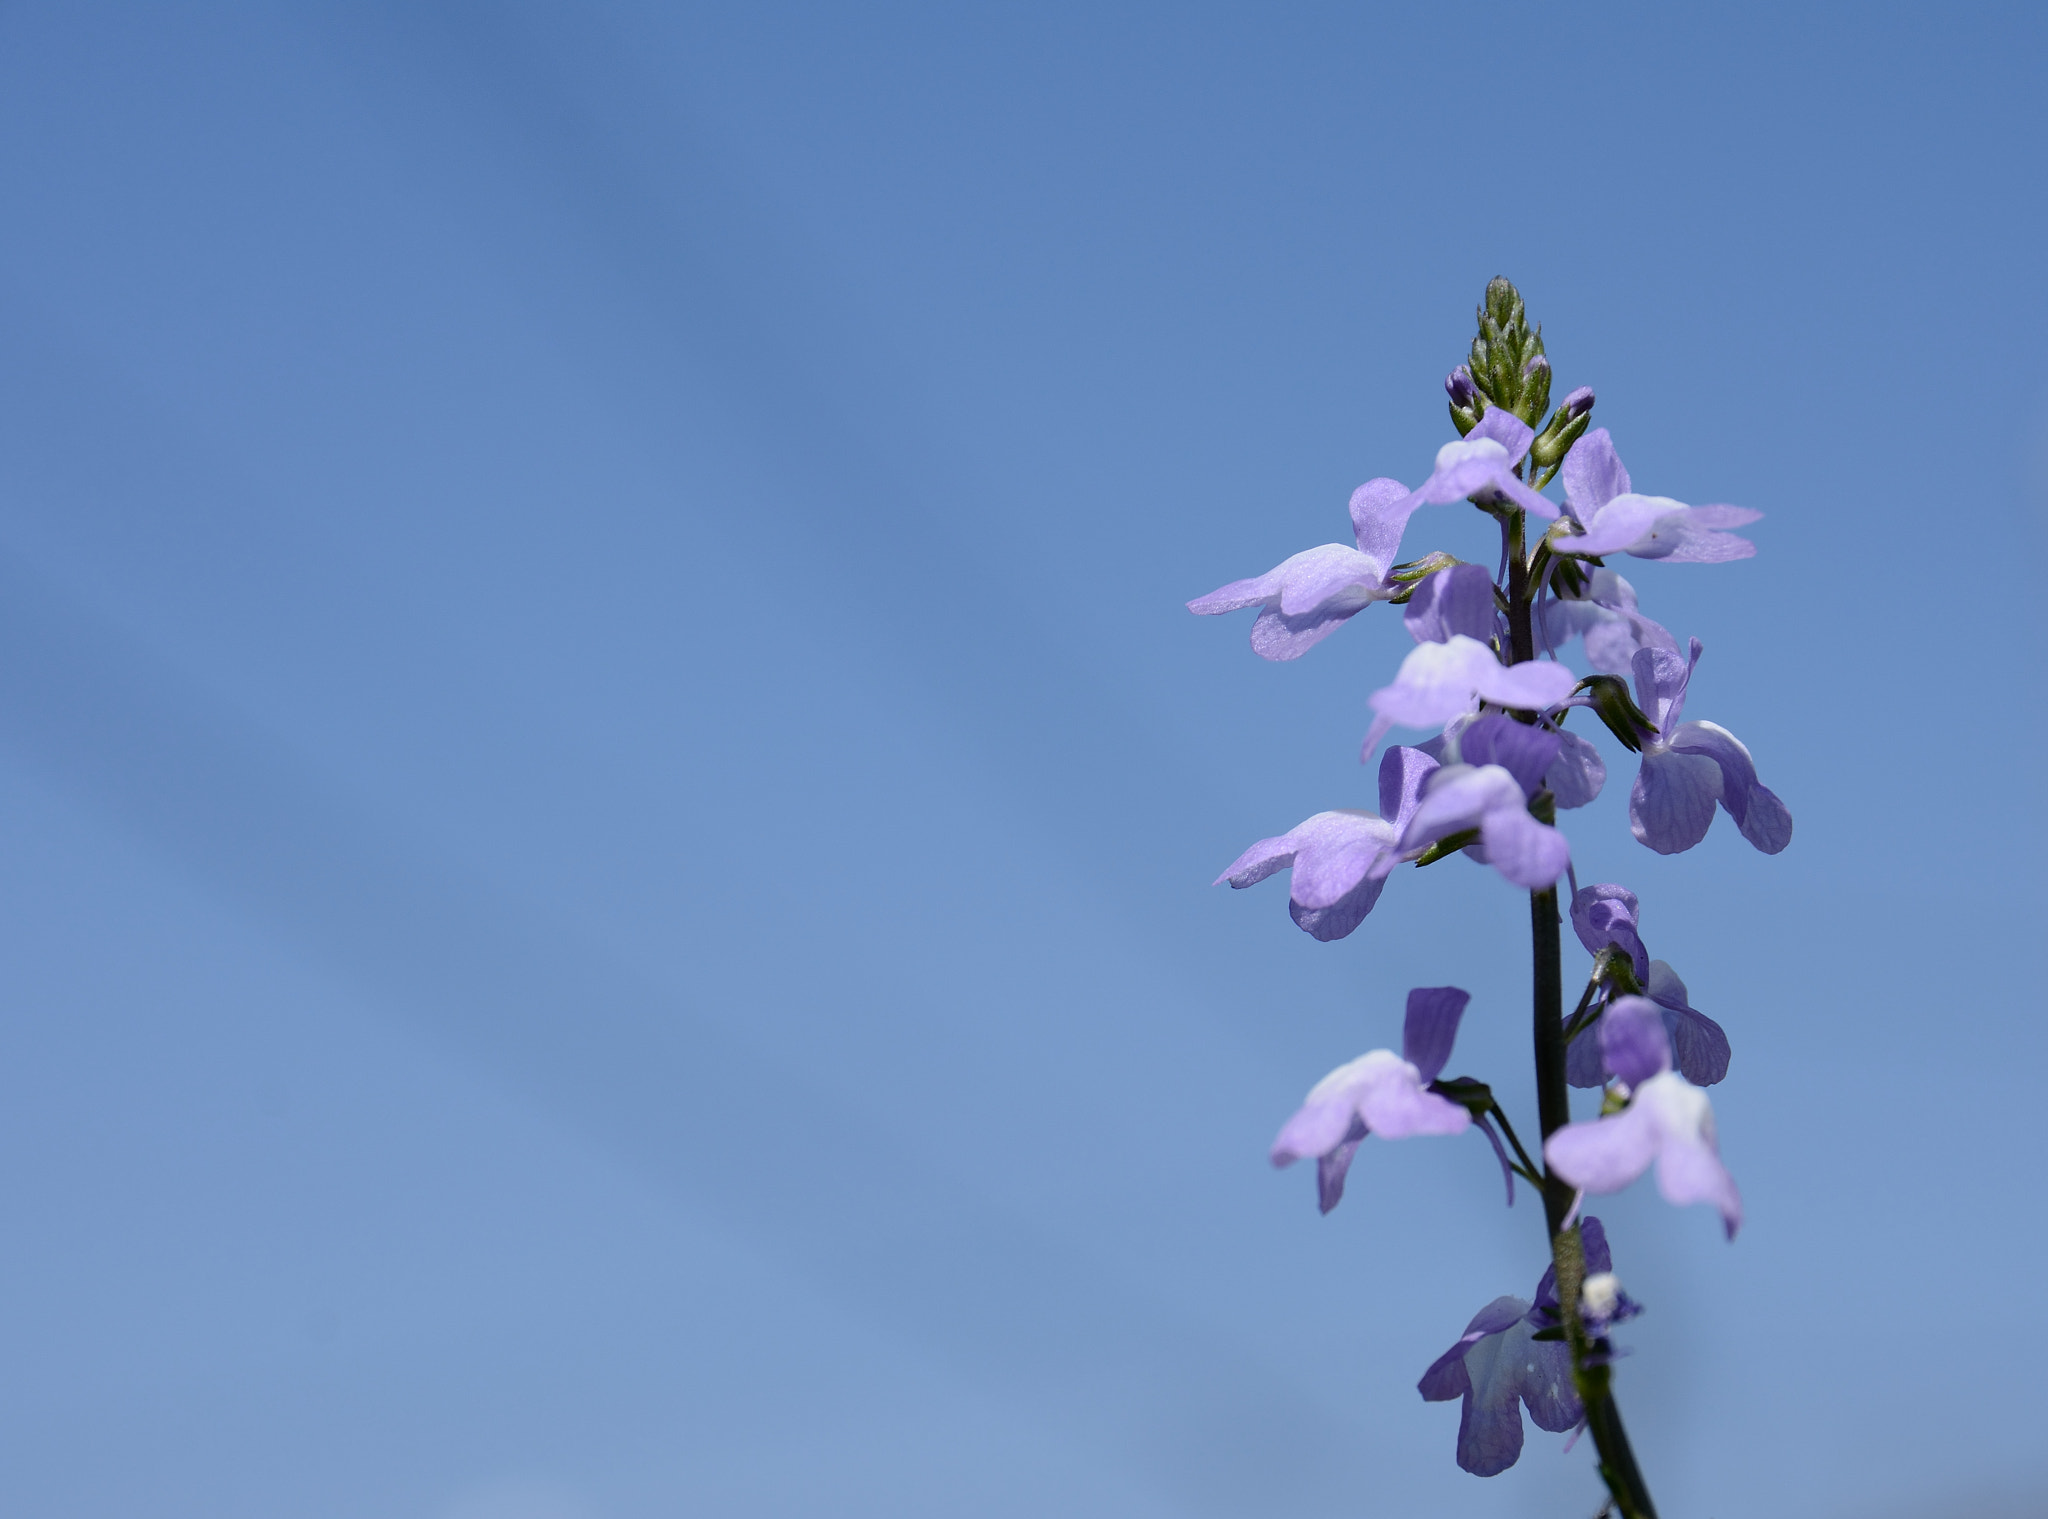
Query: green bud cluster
1507	365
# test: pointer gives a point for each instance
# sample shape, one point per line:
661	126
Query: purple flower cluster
1495	766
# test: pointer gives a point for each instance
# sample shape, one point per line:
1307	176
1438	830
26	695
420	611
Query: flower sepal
1608	696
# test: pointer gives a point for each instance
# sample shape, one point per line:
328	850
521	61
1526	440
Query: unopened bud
1467	404
1613	705
1506	363
1566	426
1535	388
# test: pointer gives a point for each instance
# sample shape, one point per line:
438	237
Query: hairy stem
1553	1106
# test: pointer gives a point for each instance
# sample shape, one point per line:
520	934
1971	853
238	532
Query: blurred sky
606	799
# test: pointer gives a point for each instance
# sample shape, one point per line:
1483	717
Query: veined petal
1529	854
1521	749
1764	820
1446	1377
1453	601
1577	774
1508	430
1490	1424
1279	638
1620	525
1436	682
1458	797
1404	772
1699	1047
1605	914
1431	1027
1535	684
1380	510
1593	474
1672	804
1316	575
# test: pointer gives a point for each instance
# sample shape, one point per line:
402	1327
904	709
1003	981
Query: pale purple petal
1453	601
1537	684
1380	510
1672	803
1506	429
1633	1040
1521	749
1722	516
1618	526
1335	850
1431	1027
1764	820
1529	854
1240	594
1337	919
1605	1154
1593	474
1279	638
1689	1168
1395	1105
1699	1047
1436	682
1317	575
1583	1064
1318	1127
1577	774
1458	797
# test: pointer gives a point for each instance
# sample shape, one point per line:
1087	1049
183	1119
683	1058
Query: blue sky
606	798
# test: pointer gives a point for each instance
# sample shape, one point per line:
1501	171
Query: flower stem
1553	1108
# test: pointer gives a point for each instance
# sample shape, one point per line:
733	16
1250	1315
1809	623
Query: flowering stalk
1486	673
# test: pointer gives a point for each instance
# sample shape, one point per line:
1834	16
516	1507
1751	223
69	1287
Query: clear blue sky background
606	800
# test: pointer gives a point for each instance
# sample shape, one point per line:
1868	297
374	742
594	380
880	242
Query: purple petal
1604	1154
1446	1377
1453	601
1380	510
1672	804
1536	684
1577	774
1699	1048
1395	1106
1240	594
1340	918
1593	1241
1279	638
1459	797
1621	526
1607	914
1764	820
1584	1066
1436	682
1529	854
1661	681
1689	1168
1524	751
1723	516
1334	852
1431	1027
1506	429
1545	1383
1403	773
1633	1040
1593	474
1331	1169
1318	1127
1317	575
1490	1425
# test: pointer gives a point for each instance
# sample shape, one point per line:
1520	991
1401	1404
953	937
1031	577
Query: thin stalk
1618	1467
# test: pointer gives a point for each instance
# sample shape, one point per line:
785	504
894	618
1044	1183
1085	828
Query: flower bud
1612	704
1505	353
1565	428
1466	402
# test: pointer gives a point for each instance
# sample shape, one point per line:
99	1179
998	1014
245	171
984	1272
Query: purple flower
1340	860
1668	1121
1481	466
1438	682
1689	767
1602	1303
1540	758
1498	1367
1489	798
1607	914
1306	598
1379	1093
1615	520
1605	613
